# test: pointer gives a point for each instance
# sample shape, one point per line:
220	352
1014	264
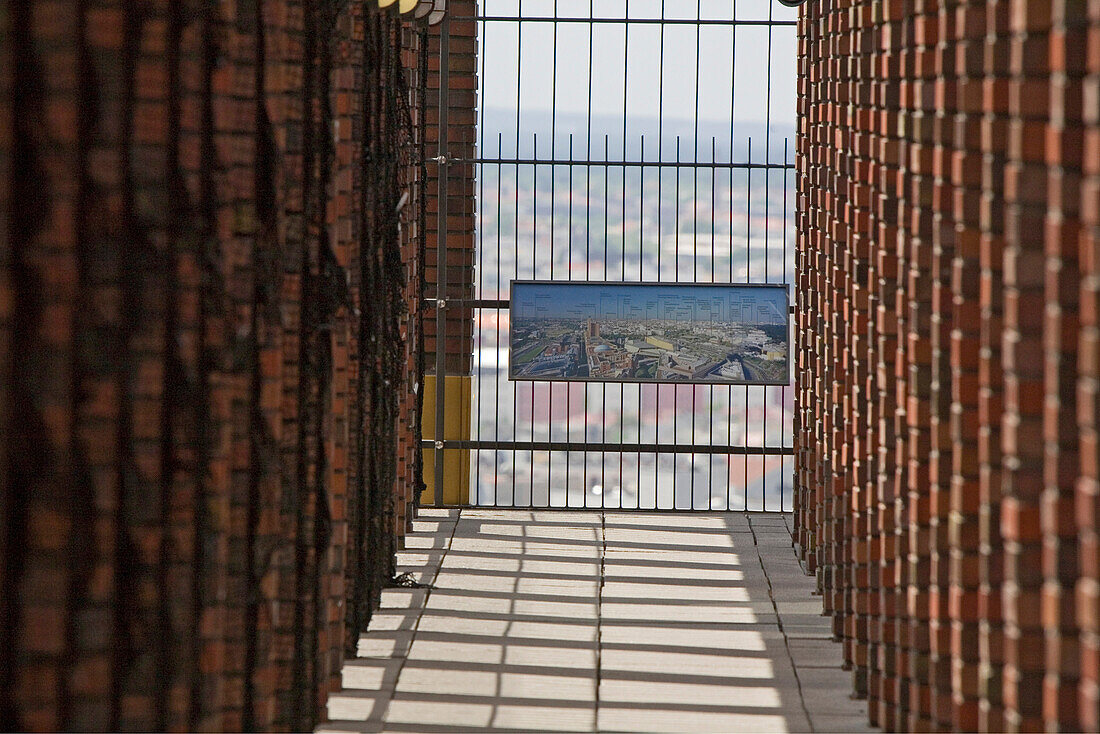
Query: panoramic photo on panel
637	332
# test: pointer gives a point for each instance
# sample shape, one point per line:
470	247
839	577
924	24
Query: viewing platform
598	621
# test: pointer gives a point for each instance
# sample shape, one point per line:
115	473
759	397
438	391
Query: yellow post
456	426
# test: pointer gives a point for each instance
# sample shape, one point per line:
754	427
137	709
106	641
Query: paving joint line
779	624
599	621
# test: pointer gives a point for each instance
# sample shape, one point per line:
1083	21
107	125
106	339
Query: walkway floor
583	621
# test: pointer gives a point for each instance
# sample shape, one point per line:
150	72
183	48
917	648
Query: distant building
593	329
732	371
662	343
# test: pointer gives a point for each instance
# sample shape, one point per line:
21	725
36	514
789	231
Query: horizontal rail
627	21
612	448
721	165
499	303
704	511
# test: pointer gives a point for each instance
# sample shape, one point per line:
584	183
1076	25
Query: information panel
641	332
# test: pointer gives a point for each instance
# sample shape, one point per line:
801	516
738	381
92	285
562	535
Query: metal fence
653	144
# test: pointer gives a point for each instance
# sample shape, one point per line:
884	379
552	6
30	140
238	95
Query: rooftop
598	621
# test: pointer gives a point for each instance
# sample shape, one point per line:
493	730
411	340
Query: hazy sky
705	302
728	66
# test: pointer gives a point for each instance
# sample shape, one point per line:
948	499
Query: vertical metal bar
713	269
515	233
534	274
587	221
480	172
733	122
695	226
767	229
603	386
676	279
748	278
569	276
783	390
641	277
467	328
496	326
660	244
553	237
622	241
441	259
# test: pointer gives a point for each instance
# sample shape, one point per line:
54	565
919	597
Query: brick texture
210	311
946	376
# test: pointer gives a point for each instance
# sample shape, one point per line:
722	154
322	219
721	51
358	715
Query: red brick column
991	394
189	249
1087	509
889	263
965	171
1065	136
979	419
944	90
462	145
1022	356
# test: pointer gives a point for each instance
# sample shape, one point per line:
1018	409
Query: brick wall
208	329
946	376
461	145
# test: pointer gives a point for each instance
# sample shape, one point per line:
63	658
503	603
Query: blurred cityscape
630	223
647	332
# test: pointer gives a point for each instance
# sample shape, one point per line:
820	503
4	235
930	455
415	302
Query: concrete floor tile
461	715
584	588
402	598
799	611
614	718
660	538
678	616
471	602
456	561
419	557
815	653
849	724
511	717
493	685
518	516
568	632
581	567
555	610
445	622
620	571
626	590
697	521
426	542
518	547
718	663
450	513
614	692
580	534
384	644
565	516
432	526
426	651
680	612
342	727
553	657
383	620
689	637
370	674
358	705
490	582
